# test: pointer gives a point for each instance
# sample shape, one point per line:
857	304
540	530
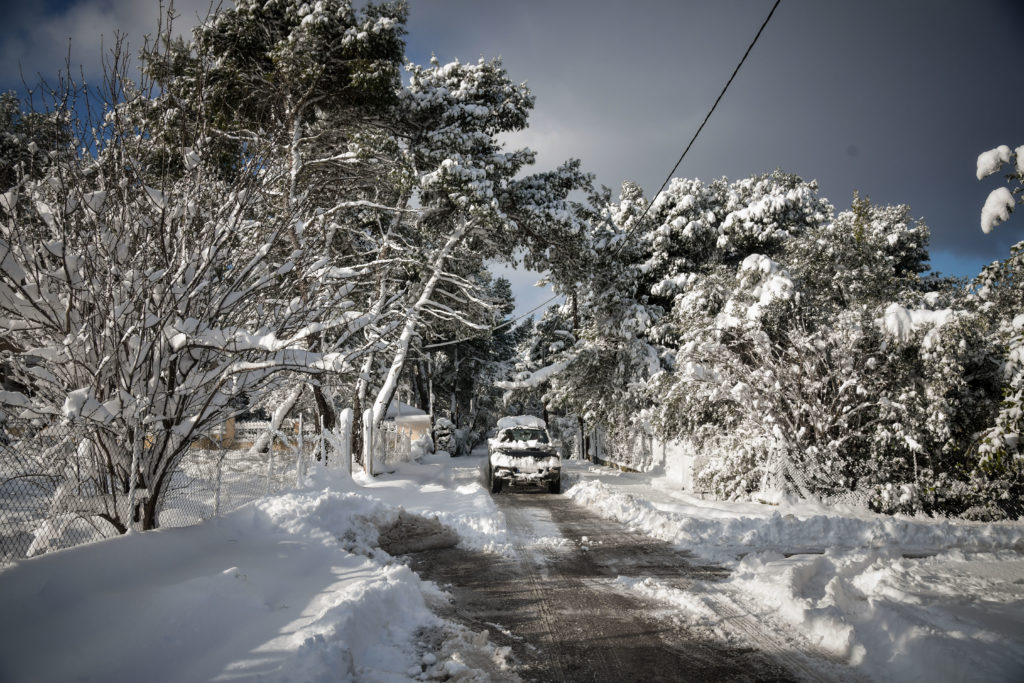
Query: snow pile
292	588
951	616
898	598
720	530
454	494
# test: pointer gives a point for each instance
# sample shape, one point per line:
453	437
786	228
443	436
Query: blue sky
893	98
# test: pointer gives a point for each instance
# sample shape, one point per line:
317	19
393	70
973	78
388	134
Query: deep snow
290	588
294	587
898	598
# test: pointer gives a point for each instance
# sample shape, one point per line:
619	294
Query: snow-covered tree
26	139
1002	200
1000	290
747	314
314	85
471	203
135	296
398	193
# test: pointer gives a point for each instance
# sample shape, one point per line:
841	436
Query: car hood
523	448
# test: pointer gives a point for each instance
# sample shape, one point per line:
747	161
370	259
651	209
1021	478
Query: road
556	601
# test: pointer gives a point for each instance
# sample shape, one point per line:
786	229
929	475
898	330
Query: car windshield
524	434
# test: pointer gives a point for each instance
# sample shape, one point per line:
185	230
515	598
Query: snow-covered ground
291	588
898	598
295	588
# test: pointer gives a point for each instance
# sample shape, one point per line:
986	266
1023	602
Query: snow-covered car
522	452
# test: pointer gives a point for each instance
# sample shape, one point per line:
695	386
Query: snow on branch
534	379
991	161
998	207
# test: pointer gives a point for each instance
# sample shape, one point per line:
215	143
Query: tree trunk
453	401
356	437
583	444
264	441
362	384
387	391
430	387
327	416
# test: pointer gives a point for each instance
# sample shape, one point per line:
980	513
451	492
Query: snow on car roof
521	421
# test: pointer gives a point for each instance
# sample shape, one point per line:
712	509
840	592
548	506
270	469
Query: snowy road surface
564	600
623	577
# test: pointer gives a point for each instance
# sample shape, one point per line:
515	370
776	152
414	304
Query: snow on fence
391	445
633	449
49	496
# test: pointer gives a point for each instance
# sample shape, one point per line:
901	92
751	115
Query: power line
703	123
493	329
660	189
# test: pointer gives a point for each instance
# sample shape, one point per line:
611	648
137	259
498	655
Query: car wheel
495	484
555	486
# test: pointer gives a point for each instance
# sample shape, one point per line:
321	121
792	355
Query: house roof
397	408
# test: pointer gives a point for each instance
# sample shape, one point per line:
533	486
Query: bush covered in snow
750	313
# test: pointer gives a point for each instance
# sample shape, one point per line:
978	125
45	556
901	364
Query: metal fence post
270	464
220	479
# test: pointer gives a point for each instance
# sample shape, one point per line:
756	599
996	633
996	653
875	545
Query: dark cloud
895	100
40	38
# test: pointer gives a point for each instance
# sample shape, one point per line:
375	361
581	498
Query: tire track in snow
557	605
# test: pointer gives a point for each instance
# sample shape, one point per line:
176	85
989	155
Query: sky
891	98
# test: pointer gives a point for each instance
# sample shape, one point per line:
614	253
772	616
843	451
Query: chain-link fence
628	448
391	445
55	494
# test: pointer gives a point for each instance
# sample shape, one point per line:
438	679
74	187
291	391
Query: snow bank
287	589
899	598
450	489
952	616
291	588
721	531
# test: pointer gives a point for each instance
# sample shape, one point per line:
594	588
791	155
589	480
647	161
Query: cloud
80	34
917	88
